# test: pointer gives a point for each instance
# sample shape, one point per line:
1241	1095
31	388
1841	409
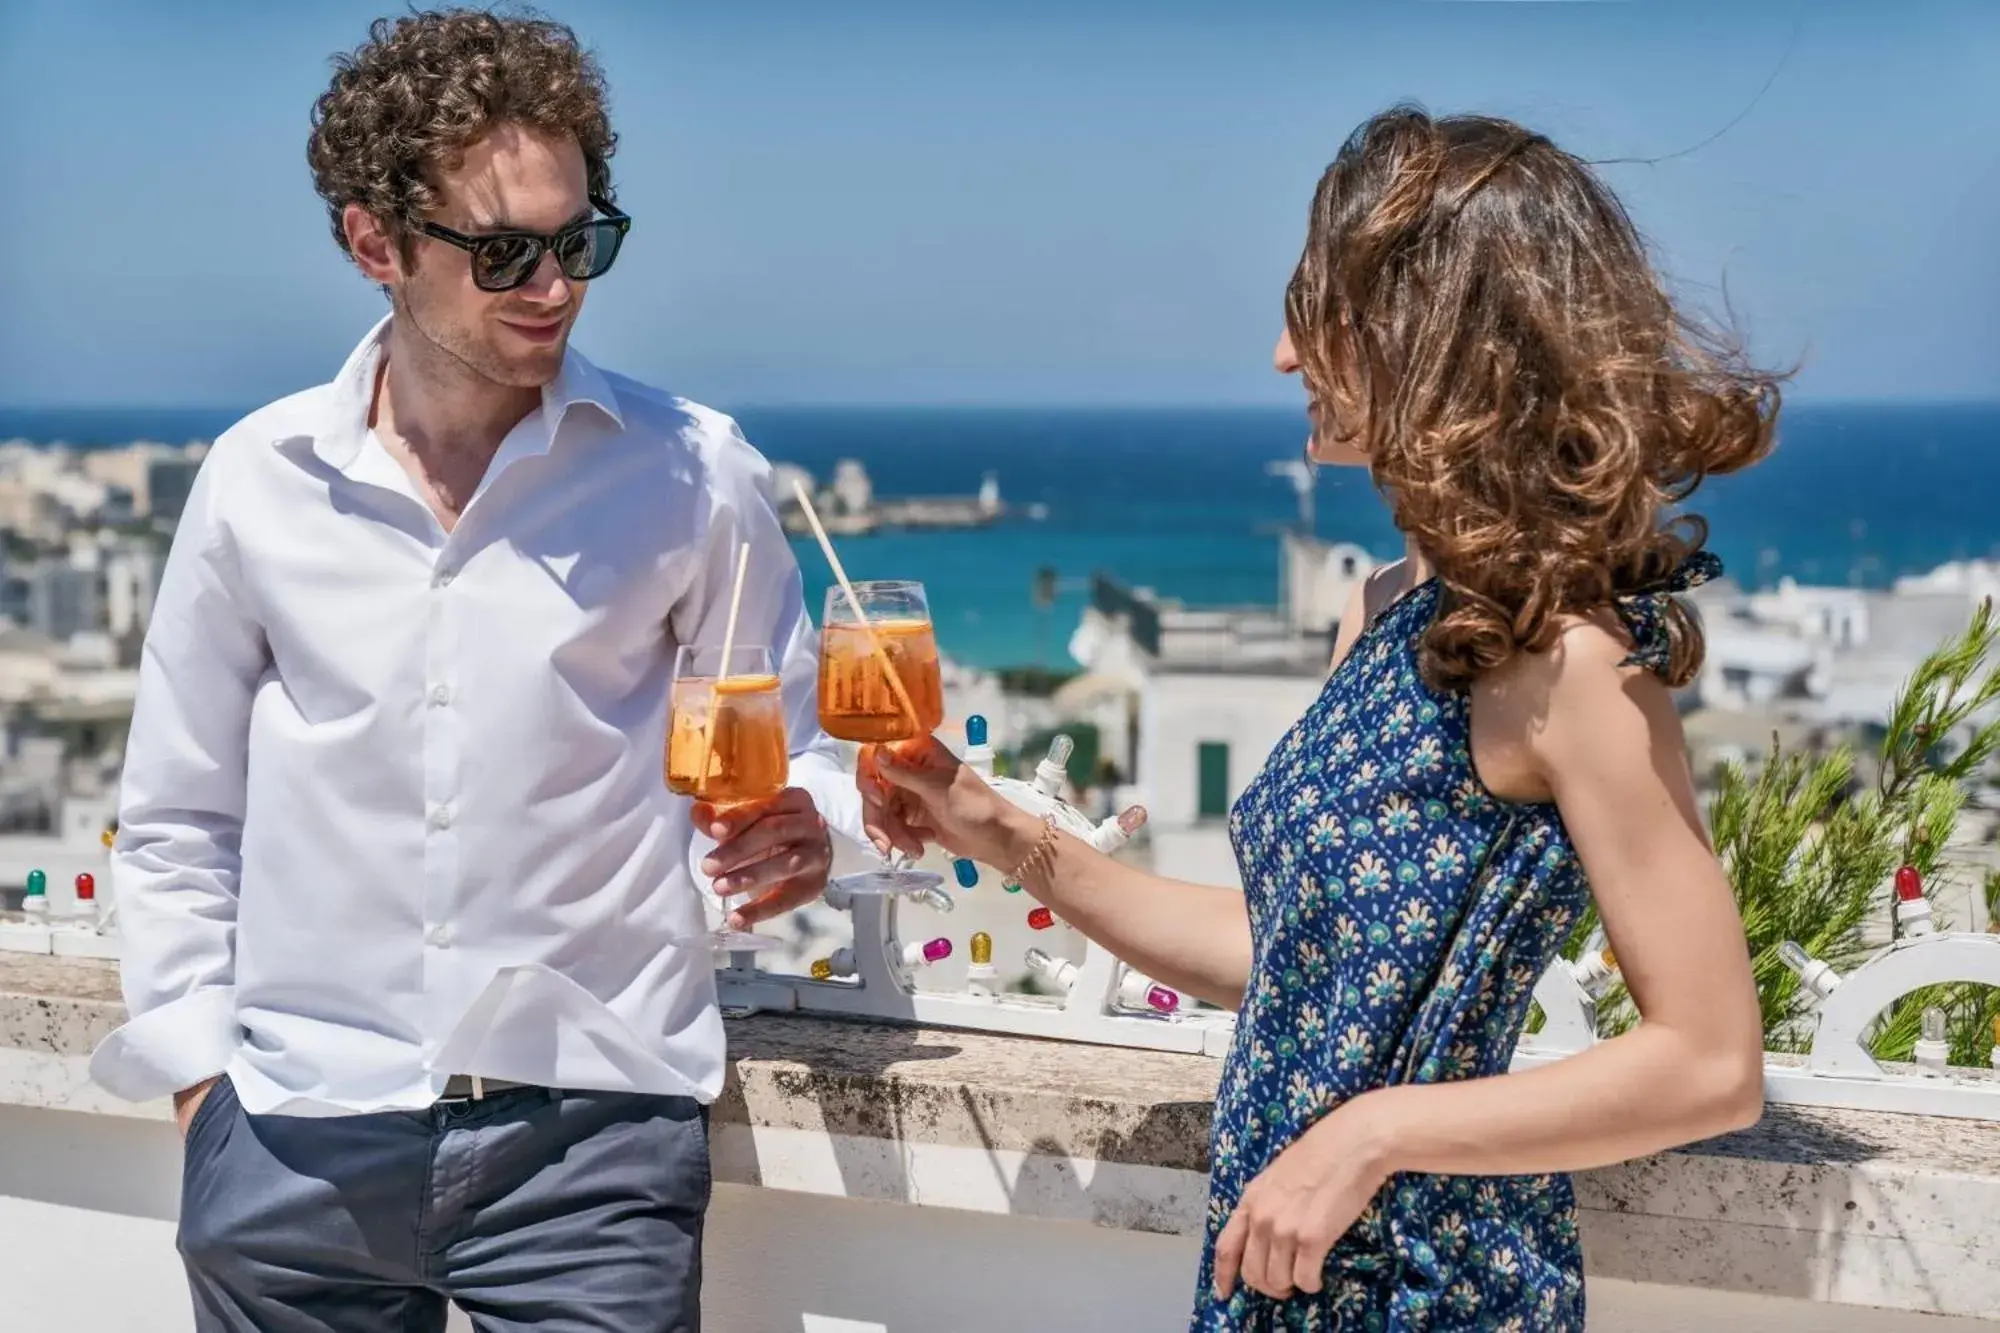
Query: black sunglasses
504	260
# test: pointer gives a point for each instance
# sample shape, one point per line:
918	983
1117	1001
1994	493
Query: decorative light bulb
38	883
1594	971
1060	750
1136	990
86	887
1132	818
982	943
1933	1024
1794	957
1913	910
1012	886
975	730
1041	919
966	872
1909	884
926	953
109	837
934	898
822	969
1037	960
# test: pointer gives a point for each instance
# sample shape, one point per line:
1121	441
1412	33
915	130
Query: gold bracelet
1038	856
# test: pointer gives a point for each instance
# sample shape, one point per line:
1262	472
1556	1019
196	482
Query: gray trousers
556	1211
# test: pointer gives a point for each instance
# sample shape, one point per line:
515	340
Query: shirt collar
338	441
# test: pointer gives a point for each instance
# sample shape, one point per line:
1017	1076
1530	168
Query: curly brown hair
405	105
1475	313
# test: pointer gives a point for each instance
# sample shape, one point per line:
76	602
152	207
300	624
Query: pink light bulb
1162	999
937	950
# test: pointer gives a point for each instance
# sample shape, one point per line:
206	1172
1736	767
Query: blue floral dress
1401	915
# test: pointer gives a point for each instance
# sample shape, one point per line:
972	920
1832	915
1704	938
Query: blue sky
1020	202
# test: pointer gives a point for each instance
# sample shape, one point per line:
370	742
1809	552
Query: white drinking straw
722	671
854	605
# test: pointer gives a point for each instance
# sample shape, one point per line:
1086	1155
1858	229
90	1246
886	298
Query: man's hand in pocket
188	1101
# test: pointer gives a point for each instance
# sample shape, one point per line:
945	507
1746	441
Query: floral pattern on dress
1400	916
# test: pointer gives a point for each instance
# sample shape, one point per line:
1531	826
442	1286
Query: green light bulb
38	883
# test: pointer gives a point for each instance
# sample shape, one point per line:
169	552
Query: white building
1203	734
1216	690
1830	655
852	491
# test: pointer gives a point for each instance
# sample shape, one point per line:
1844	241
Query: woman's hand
1290	1216
913	792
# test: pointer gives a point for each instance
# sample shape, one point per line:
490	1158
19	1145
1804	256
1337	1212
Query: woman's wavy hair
406	104
1474	311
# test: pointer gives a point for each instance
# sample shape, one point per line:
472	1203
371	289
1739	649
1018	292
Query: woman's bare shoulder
1374	592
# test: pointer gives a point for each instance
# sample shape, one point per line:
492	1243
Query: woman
1476	323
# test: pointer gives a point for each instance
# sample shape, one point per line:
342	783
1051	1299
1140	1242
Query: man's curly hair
1476	314
406	104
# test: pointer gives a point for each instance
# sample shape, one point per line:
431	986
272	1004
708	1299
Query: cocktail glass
726	742
879	684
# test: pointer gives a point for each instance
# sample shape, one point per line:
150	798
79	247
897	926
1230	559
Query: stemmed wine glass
726	741
879	684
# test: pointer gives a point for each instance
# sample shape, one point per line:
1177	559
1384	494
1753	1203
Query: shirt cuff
175	1046
834	793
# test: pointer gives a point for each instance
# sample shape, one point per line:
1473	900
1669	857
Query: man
411	933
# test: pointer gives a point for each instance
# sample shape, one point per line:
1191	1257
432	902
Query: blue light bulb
967	873
975	730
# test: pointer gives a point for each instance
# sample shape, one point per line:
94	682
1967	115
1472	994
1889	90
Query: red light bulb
86	887
1041	919
1909	884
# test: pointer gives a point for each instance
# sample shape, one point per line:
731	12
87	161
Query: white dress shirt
393	805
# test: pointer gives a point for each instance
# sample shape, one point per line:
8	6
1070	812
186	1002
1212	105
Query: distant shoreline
98	427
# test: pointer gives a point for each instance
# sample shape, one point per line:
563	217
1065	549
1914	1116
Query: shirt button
440	935
440	695
441	816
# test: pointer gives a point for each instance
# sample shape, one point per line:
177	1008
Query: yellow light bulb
107	837
1610	958
982	949
822	969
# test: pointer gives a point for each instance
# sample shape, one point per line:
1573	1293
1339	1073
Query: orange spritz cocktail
727	745
726	741
857	699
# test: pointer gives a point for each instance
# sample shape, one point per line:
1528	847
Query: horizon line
1023	405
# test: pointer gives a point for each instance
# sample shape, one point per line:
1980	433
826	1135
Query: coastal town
1178	703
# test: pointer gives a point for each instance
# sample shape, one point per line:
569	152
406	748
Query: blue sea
1180	500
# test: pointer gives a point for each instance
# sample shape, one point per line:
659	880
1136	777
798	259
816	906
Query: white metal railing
1104	1002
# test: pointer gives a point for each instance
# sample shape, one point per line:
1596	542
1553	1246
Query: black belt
472	1088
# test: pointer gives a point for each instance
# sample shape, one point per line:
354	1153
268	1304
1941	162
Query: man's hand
778	850
188	1101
